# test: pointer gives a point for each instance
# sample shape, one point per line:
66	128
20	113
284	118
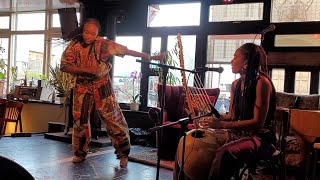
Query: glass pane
221	48
23	21
174	15
189	49
57	47
153	91
123	67
236	12
295	11
155	48
4	22
29	56
56	20
278	79
302	83
297	40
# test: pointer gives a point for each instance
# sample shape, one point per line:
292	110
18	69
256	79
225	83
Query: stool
316	148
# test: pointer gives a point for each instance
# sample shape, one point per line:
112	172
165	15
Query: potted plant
14	80
3	71
171	57
61	83
131	89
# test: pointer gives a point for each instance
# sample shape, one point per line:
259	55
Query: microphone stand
165	68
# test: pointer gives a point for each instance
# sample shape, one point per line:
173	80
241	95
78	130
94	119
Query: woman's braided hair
256	65
76	35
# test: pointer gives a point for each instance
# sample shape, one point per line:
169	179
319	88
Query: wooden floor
49	160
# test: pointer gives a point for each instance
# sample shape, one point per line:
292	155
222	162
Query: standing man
88	58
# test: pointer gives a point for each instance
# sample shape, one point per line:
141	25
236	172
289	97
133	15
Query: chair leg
315	160
16	127
20	122
4	128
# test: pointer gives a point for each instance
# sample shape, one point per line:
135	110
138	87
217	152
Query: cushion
309	102
286	100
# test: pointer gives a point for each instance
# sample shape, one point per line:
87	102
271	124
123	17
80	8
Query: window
236	12
5	20
153	80
187	14
57	48
56	20
297	40
153	91
278	79
295	11
4	44
29	56
123	67
220	52
302	83
24	21
189	49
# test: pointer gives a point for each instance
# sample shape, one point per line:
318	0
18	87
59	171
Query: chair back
175	102
11	113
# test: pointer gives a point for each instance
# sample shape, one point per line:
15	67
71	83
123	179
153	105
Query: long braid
249	92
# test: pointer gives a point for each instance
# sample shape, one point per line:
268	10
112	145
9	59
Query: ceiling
34	5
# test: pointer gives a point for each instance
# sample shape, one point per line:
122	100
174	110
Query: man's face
90	33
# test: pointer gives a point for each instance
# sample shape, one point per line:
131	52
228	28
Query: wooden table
306	123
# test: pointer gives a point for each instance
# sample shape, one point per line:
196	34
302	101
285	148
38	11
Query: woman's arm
263	93
76	70
143	55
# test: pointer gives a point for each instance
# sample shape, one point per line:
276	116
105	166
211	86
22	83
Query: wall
36	116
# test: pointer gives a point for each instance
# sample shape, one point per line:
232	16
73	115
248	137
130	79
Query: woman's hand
159	57
211	122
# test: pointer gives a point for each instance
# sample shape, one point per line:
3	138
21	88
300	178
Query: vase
134	106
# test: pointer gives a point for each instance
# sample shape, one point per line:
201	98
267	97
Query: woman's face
90	33
239	62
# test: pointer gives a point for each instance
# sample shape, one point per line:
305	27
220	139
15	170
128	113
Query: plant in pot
14	80
61	83
131	89
3	71
171	59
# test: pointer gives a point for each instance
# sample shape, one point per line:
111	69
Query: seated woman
252	105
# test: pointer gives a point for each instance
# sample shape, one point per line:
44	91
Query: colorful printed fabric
96	91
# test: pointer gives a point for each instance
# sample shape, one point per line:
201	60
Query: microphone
214	111
205	69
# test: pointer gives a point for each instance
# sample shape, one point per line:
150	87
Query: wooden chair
11	113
